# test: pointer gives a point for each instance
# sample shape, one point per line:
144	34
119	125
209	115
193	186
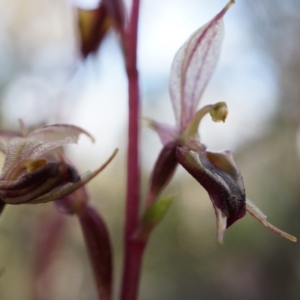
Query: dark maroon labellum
224	185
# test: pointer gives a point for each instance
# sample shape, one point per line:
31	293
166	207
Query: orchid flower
218	173
35	170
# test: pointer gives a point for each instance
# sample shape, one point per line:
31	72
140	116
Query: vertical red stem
133	251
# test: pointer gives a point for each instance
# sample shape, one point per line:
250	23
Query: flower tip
229	4
291	238
221	226
219	112
225	9
255	212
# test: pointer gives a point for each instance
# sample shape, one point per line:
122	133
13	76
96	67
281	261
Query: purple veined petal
193	66
39	142
167	133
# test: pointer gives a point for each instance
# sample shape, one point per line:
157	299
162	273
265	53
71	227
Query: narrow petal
167	133
255	212
221	225
99	248
163	172
193	66
39	142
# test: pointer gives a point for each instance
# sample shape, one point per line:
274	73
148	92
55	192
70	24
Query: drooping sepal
99	248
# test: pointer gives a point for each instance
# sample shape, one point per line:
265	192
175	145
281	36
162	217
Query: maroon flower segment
163	171
225	187
99	248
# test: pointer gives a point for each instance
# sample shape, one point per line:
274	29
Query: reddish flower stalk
133	250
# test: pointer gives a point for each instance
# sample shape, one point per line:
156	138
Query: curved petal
39	142
193	66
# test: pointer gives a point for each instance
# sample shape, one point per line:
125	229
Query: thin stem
132	250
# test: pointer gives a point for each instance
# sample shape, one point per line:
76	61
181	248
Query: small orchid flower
35	170
218	173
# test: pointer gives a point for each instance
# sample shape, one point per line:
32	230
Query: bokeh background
43	80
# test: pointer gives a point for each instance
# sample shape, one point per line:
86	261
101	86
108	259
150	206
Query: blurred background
43	80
